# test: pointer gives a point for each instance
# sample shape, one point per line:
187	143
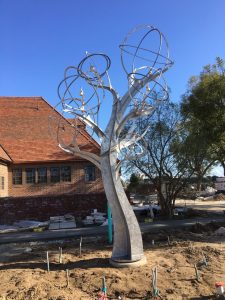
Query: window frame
15	180
52	176
39	175
2	183
89	177
65	177
33	176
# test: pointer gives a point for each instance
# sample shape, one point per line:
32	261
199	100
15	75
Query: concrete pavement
6	238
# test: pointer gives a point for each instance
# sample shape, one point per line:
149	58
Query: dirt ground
24	275
215	204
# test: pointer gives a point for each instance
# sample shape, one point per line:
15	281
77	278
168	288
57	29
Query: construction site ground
213	205
24	274
175	252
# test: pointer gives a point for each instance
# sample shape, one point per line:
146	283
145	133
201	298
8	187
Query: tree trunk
166	207
127	245
199	182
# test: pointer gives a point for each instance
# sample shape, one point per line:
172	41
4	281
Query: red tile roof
3	155
25	132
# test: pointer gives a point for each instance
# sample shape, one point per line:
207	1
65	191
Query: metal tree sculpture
144	65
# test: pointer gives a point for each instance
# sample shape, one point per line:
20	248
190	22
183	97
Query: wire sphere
80	104
144	46
147	95
73	98
94	67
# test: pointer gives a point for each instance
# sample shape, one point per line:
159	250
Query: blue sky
39	39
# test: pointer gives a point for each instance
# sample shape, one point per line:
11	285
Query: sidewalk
6	238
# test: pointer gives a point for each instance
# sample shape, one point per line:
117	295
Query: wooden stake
67	277
48	268
204	260
80	245
155	290
196	273
103	285
60	255
168	239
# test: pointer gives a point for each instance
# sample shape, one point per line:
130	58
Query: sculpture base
123	263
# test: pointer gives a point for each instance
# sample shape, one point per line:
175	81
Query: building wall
41	208
4	174
76	186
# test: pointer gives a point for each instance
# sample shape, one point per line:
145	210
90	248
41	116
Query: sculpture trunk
128	246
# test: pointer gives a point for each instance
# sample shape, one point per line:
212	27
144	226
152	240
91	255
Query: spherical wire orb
64	89
149	94
94	66
144	46
79	104
73	96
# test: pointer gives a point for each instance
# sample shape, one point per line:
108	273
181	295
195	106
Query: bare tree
144	57
164	163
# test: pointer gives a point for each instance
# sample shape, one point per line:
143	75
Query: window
66	174
17	176
55	174
42	175
30	175
89	173
2	183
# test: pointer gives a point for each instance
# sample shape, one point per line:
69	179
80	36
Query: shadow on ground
81	264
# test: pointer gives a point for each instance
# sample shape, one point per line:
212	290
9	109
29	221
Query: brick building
31	162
